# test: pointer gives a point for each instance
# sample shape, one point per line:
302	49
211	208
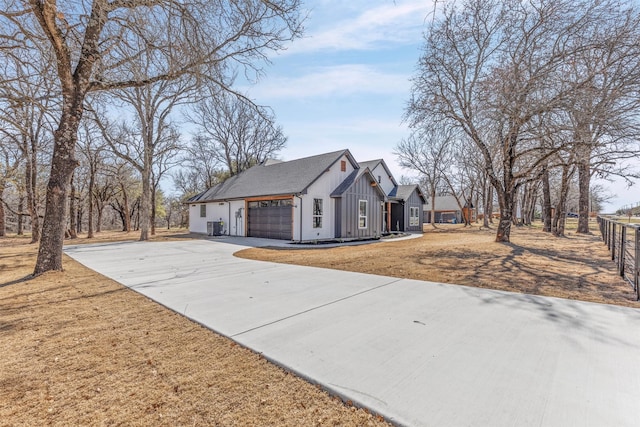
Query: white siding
385	182
216	211
238	217
321	189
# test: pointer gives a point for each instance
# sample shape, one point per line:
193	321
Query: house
448	210
404	203
323	197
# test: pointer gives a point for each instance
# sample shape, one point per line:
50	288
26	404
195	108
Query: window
362	214
203	211
270	203
414	216
343	166
317	213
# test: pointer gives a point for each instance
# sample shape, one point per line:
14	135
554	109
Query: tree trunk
126	224
31	188
489	204
506	217
90	205
73	211
153	211
144	214
546	201
559	220
584	181
20	216
63	163
3	223
485	202
79	221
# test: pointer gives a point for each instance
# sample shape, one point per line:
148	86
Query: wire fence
623	241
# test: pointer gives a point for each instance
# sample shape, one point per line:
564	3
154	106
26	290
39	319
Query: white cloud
338	80
390	23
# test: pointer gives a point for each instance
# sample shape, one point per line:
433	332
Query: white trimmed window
414	216
362	214
203	211
317	213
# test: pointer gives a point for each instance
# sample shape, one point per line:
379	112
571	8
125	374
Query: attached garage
270	219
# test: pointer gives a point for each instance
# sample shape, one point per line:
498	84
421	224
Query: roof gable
353	178
403	192
372	164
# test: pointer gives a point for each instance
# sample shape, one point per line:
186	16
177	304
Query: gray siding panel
348	214
339	219
413	201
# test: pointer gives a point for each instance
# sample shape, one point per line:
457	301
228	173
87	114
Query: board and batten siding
413	201
347	210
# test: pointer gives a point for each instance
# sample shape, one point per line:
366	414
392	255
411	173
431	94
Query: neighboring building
448	210
406	206
322	197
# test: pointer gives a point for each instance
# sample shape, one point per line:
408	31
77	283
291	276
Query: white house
321	197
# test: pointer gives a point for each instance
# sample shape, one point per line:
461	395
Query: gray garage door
270	219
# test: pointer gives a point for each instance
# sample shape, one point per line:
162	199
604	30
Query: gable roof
273	179
353	178
371	164
443	203
403	192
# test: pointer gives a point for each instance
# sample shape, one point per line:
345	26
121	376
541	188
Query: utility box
214	228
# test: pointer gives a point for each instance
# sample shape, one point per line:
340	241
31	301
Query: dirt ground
575	267
80	349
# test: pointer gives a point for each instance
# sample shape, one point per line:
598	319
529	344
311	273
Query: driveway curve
418	353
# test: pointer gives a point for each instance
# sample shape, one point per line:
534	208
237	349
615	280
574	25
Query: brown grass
575	267
80	349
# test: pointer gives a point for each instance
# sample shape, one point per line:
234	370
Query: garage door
270	219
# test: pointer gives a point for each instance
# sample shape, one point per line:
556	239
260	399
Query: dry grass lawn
80	349
575	267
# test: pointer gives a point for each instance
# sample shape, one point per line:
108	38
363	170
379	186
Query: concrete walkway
419	353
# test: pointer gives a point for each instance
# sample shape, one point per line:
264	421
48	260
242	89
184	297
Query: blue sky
346	82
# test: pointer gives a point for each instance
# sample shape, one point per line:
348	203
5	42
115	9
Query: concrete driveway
419	353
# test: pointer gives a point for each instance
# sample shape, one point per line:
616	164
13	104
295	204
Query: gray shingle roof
274	179
371	164
403	192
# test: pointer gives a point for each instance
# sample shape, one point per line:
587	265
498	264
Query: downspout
229	220
300	204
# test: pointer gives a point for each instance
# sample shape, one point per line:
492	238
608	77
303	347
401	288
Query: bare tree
427	151
491	69
92	149
149	140
233	132
96	42
10	159
603	114
28	102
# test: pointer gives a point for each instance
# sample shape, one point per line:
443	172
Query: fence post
621	249
636	275
613	242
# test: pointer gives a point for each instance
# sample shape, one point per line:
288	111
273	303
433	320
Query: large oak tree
96	42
